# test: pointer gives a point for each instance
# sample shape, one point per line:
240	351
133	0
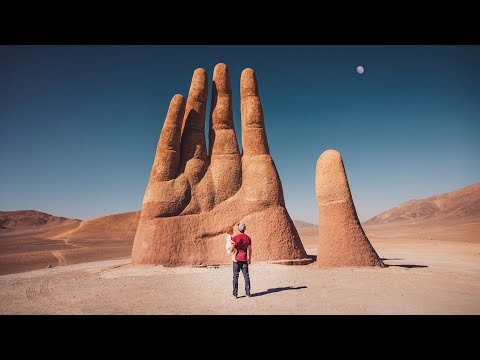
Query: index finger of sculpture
254	138
167	157
193	134
222	132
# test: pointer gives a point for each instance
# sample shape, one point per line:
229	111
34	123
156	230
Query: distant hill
458	204
24	219
302	224
121	226
117	226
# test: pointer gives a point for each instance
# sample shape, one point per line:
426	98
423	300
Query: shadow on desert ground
409	266
274	290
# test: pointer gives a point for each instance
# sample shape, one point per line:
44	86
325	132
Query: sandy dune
463	203
28	219
104	238
113	227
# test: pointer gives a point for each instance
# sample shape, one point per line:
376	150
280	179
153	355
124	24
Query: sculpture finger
193	133
167	157
225	161
331	184
254	138
222	132
341	239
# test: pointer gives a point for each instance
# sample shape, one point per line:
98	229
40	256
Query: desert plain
431	247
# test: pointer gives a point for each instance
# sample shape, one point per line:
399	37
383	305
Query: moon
360	69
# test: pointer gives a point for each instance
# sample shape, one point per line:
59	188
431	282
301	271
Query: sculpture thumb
342	241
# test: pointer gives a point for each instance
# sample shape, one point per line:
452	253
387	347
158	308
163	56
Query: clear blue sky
79	124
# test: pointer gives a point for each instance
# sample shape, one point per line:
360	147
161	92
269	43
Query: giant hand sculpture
342	241
193	196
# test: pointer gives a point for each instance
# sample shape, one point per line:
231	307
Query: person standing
243	244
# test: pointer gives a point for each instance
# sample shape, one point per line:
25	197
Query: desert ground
433	270
36	247
54	265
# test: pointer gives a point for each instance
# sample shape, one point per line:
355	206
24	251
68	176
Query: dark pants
237	266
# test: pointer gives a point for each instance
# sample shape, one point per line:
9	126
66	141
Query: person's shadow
274	290
407	266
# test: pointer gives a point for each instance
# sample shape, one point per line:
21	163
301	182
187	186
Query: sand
425	277
27	251
105	238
